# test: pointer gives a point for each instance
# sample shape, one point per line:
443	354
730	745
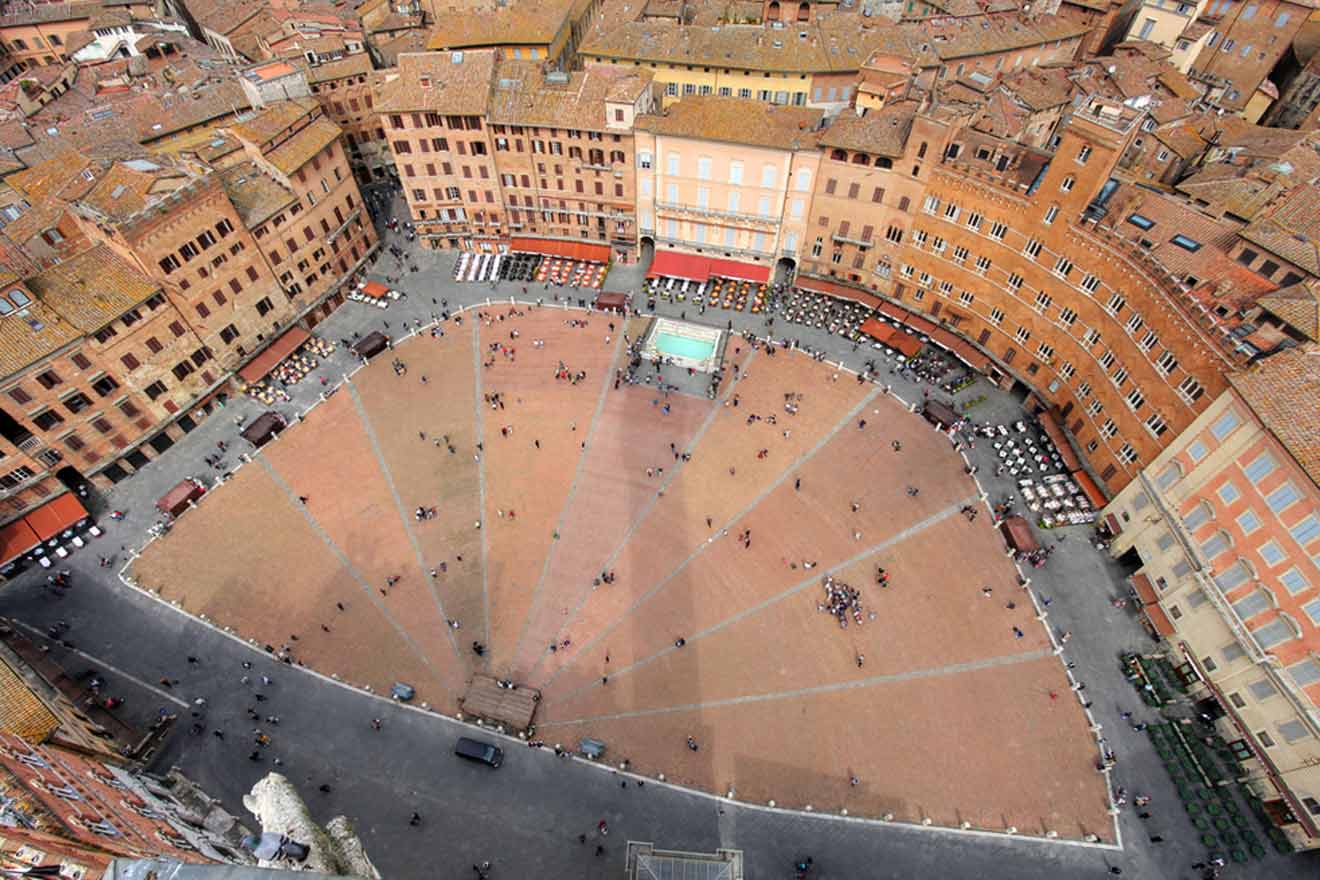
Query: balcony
860	242
698	211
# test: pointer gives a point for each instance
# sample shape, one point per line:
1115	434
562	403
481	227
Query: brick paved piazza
952	716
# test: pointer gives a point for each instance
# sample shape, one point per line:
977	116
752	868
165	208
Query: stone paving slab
246	559
704	487
632	434
933	615
429	475
530	485
984	745
332	462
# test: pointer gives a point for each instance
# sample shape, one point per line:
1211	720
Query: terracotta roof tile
256	195
92	288
439	82
530	22
22	712
1290	228
881	132
1298	305
1283	389
522	96
737	121
27	338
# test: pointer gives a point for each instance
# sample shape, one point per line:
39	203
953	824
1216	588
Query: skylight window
1187	244
1140	221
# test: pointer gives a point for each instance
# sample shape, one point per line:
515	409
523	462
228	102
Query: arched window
839	155
773	13
860	159
883	162
804	11
921	150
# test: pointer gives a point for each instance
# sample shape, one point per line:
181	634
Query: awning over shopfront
740	271
277	351
375	290
905	344
672	264
54	517
842	291
555	247
1087	485
16	539
878	330
1050	422
1159	620
1144	589
961	349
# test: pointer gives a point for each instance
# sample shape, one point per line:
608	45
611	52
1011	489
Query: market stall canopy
263	428
1017	531
175	501
371	345
617	302
672	264
554	247
939	413
878	330
285	345
54	517
375	290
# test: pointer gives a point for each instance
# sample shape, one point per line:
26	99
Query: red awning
53	517
555	247
740	271
842	291
1017	531
277	351
905	343
1159	620
877	330
1083	479
1054	431
962	349
1145	589
375	290
16	539
672	264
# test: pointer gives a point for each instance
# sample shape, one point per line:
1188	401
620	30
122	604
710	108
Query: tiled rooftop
1283	389
881	132
256	195
92	288
441	82
522	96
734	120
1290	228
32	335
298	150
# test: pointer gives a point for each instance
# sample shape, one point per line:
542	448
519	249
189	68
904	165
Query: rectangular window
1293	581
1306	531
996	316
1260	467
1225	425
1282	498
1271	553
1248	521
1190	390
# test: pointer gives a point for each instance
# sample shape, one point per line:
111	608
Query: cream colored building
727	178
1163	21
1225	526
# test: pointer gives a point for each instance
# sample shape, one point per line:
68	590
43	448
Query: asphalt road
526	816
